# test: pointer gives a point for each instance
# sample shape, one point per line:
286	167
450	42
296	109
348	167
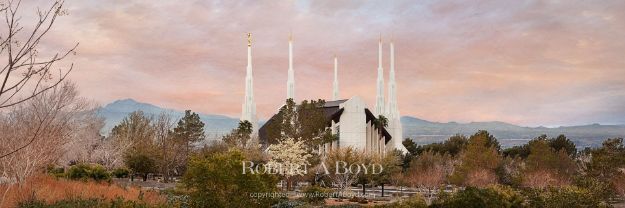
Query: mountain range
115	112
421	131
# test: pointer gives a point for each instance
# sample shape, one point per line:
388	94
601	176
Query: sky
529	63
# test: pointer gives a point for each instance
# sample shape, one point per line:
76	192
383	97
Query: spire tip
249	39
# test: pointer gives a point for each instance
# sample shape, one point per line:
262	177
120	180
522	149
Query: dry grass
51	190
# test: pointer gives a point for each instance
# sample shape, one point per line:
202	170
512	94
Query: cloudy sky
523	62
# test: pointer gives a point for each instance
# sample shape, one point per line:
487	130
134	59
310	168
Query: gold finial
380	37
291	36
249	39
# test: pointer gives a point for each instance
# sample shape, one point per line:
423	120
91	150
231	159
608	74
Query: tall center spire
392	111
248	111
379	98
335	84
290	83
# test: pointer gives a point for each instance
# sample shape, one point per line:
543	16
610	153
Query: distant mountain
422	131
113	113
425	132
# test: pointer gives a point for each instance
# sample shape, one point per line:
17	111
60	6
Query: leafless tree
170	151
481	178
47	123
348	155
541	179
85	138
429	171
27	73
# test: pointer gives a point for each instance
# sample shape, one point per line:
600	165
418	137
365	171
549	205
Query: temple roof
332	111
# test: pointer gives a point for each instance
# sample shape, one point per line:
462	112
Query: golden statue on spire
249	39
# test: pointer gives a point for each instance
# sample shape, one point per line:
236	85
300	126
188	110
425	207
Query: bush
56	171
288	204
316	194
416	201
121	173
599	189
87	171
493	196
569	196
99	173
216	180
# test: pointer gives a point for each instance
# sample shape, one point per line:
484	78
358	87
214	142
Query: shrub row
86	171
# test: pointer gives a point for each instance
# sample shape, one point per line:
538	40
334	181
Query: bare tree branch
25	72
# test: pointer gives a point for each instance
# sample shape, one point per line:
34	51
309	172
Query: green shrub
569	196
56	171
216	180
494	196
121	173
316	194
416	201
99	173
599	189
87	171
288	204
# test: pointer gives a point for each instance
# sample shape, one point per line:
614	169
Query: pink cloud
525	62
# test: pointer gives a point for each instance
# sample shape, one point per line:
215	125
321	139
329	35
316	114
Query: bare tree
26	74
50	119
541	179
108	154
429	171
481	178
347	156
85	138
170	151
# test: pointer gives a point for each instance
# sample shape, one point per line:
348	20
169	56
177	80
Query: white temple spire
379	98
392	111
335	85
248	112
290	83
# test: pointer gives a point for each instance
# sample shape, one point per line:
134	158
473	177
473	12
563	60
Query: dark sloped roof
332	112
370	117
334	103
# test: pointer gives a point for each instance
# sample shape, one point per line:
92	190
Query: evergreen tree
547	167
190	128
240	136
563	143
479	161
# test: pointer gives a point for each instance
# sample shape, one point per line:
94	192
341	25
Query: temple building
349	119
